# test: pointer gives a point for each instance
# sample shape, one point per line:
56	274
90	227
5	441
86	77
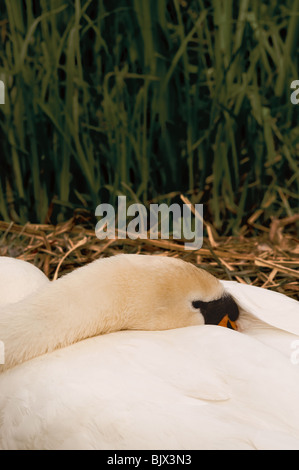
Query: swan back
190	388
18	279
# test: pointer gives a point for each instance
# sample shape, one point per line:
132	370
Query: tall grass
147	98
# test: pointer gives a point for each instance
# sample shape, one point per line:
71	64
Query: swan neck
60	314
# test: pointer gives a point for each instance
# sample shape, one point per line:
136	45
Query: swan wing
271	307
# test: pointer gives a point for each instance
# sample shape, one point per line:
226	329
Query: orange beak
227	323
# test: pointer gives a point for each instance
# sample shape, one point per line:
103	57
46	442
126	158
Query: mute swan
197	387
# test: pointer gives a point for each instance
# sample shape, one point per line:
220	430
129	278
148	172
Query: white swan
199	387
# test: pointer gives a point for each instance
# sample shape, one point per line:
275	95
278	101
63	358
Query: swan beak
227	323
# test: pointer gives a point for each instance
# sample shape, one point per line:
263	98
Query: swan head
158	293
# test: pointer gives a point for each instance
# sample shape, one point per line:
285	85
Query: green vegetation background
149	98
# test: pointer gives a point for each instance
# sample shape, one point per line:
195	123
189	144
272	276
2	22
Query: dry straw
270	259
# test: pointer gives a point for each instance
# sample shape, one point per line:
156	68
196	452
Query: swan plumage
191	388
197	387
124	292
18	279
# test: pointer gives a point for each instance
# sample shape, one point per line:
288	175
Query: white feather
18	279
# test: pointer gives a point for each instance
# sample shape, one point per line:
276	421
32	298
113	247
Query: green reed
146	98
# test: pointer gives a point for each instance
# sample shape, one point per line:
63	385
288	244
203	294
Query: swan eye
223	311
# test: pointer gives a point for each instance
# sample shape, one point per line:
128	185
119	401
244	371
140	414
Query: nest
269	259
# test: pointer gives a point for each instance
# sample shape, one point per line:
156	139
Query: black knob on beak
223	311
